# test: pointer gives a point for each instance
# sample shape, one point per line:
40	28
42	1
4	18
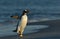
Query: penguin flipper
16	17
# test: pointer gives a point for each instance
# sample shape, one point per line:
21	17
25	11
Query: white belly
23	23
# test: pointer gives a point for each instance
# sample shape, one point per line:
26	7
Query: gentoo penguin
22	23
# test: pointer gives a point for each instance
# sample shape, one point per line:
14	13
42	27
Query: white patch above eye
25	10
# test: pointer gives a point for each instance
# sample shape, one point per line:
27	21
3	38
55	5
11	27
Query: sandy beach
53	32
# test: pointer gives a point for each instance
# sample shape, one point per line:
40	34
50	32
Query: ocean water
56	37
40	10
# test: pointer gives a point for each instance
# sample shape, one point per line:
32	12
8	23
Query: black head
26	11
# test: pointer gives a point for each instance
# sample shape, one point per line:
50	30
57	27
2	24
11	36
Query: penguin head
26	11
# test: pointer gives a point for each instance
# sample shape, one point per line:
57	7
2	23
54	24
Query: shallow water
8	30
56	37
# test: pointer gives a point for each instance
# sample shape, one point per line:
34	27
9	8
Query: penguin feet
19	33
21	36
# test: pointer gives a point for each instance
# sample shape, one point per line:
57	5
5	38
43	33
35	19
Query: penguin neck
24	14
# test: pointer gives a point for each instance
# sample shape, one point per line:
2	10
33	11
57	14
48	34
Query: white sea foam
42	19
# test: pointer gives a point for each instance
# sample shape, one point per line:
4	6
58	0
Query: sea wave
42	19
13	21
30	20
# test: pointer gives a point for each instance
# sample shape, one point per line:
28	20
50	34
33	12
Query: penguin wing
16	17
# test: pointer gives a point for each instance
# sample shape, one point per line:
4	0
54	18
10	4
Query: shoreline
52	31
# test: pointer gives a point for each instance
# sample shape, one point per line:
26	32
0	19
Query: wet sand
52	32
